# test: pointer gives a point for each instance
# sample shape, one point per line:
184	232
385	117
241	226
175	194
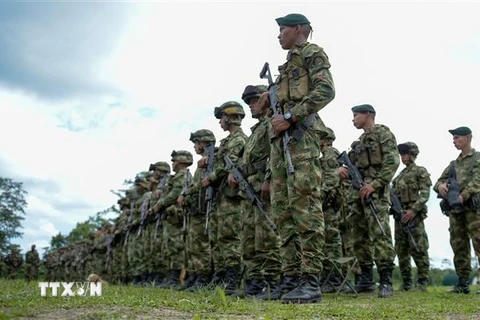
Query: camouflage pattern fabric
14	262
412	186
32	264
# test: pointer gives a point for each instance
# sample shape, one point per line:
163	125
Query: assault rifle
275	107
158	218
398	213
210	192
244	185
357	181
143	218
453	196
188	182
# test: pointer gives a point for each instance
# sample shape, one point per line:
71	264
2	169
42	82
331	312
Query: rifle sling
302	127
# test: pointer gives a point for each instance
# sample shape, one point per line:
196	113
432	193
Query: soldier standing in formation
463	212
32	262
412	186
14	262
375	155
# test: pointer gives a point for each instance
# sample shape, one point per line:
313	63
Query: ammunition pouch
474	202
445	207
251	169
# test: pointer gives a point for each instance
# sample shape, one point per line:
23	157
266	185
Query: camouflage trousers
297	207
136	253
125	271
147	238
174	243
31	272
464	226
158	259
260	244
368	240
115	263
226	249
197	245
405	249
333	240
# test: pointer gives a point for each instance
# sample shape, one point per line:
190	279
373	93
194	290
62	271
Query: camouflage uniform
332	205
304	87
197	242
465	219
412	186
224	228
174	244
260	244
50	266
376	156
14	262
32	264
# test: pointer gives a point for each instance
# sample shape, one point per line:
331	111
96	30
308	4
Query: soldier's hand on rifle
279	124
443	190
181	201
232	182
205	182
265	191
366	190
408	216
202	163
343	173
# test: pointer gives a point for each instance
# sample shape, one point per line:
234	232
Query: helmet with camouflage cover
330	134
161	166
408	147
253	92
230	108
142	179
182	156
202	135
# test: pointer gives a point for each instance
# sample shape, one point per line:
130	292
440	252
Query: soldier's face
406	158
461	142
256	108
198	147
223	123
360	119
287	37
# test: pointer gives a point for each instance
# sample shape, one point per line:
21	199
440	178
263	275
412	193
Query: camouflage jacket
195	195
468	175
412	187
231	146
174	188
14	259
32	258
329	164
253	163
375	154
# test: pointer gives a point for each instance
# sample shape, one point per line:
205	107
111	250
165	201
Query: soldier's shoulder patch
311	49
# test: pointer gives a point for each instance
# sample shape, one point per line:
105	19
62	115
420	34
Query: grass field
19	299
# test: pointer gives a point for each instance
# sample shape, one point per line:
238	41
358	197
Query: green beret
292	19
460	131
364	108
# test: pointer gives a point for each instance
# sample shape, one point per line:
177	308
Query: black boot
462	286
137	281
385	290
407	284
308	291
279	288
422	284
218	278
252	288
186	283
201	281
330	285
365	283
232	279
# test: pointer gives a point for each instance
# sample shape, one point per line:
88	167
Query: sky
92	93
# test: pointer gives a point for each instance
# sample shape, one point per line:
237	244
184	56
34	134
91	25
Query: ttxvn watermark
70	289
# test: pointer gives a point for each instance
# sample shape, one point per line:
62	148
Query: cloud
55	50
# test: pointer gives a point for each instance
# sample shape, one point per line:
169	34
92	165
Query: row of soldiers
278	208
14	262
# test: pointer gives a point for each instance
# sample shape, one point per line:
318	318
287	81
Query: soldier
224	225
174	244
193	199
332	205
412	186
14	262
260	244
376	156
32	260
463	208
304	87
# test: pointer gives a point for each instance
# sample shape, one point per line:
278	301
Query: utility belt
254	168
473	203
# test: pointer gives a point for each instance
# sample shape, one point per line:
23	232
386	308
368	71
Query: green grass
19	299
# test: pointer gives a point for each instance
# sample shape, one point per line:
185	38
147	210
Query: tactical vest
367	152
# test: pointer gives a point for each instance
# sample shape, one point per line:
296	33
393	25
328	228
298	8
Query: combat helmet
161	166
408	147
231	108
253	92
330	134
142	179
202	135
182	156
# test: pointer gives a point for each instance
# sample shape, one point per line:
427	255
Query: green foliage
58	241
12	210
